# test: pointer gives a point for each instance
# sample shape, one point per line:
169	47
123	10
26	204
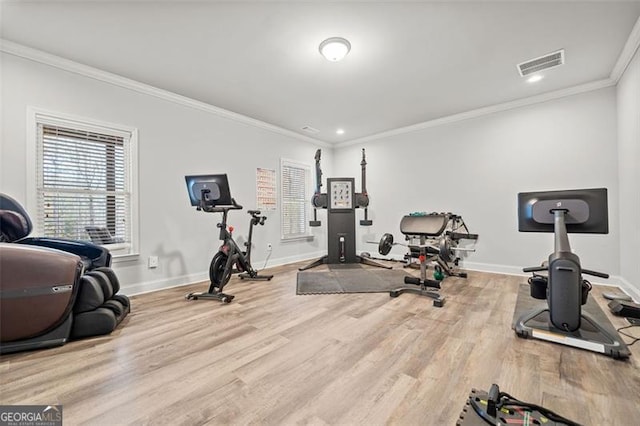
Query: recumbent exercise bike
211	194
564	288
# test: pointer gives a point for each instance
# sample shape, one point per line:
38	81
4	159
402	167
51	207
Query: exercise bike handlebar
595	273
534	269
219	209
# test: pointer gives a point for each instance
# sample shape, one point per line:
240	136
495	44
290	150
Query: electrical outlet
269	247
153	262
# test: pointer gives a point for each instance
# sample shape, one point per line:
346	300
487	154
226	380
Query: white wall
476	168
174	140
628	91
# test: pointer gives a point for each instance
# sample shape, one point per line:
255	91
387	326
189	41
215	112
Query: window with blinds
295	199
84	184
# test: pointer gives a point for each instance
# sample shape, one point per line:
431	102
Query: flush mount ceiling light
334	49
534	78
340	131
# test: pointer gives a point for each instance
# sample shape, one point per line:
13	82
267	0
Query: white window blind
83	184
295	199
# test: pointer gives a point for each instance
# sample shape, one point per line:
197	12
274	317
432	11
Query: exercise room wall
629	155
174	140
476	168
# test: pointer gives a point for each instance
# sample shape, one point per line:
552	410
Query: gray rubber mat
349	280
526	303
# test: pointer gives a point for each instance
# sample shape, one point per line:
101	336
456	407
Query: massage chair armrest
36	265
37	289
94	255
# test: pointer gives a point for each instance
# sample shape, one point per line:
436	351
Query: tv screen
586	210
216	189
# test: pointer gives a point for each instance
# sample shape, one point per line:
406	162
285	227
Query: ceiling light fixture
335	49
340	131
534	78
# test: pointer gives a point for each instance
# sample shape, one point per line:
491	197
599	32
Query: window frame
307	205
37	116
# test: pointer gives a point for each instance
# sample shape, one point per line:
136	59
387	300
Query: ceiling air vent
542	63
310	129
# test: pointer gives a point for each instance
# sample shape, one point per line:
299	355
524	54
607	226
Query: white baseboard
149	286
183	280
613	281
493	268
630	289
145	287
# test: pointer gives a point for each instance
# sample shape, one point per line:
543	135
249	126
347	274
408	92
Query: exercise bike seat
431	225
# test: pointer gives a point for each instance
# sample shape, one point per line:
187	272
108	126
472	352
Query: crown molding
36	55
626	56
631	46
480	112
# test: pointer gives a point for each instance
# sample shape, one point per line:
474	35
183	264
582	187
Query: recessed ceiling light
335	49
340	131
534	78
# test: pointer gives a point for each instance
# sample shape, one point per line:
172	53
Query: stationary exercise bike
211	194
562	320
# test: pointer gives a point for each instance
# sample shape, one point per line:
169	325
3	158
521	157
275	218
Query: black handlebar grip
595	273
534	269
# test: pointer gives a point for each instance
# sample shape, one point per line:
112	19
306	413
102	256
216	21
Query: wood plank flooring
274	358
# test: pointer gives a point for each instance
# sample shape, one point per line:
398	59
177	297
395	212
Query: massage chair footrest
102	320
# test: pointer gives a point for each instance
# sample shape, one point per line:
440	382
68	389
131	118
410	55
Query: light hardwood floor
271	357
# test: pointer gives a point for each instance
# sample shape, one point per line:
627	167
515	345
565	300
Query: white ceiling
410	62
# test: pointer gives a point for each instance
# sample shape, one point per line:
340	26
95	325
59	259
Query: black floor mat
353	279
596	332
526	303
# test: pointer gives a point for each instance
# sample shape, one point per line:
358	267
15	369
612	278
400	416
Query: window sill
120	258
121	252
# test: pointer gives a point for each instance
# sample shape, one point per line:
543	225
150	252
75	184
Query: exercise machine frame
562	320
440	245
340	202
432	240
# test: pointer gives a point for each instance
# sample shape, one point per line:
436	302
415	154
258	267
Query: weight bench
440	233
433	239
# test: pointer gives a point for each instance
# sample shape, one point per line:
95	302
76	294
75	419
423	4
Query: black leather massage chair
52	290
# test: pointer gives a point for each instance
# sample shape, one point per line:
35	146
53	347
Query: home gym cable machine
340	200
